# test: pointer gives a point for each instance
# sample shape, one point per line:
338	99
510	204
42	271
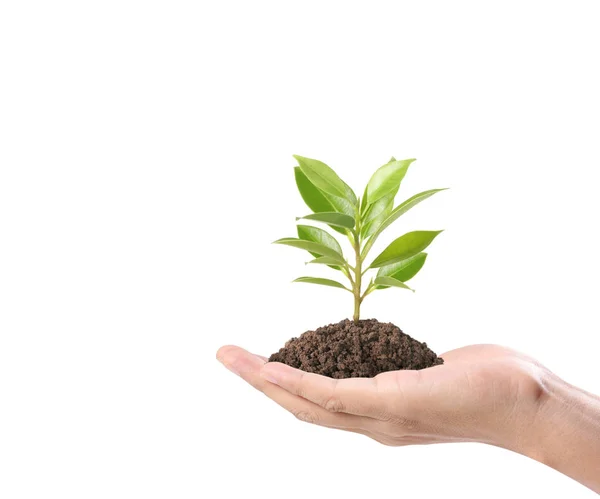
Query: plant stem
357	280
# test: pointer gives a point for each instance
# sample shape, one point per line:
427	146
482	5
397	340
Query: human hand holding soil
482	393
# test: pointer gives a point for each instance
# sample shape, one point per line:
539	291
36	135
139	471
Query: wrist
516	417
559	426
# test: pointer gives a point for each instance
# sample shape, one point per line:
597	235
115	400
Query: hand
483	393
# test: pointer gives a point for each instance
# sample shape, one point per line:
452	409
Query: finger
238	360
477	353
248	367
229	348
358	396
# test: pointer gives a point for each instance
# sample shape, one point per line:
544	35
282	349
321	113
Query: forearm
564	431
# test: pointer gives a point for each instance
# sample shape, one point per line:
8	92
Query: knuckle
301	392
386	441
400	426
382	439
333	404
300	388
306	417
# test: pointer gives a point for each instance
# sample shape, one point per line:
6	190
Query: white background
145	155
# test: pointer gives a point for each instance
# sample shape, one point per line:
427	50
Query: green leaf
387	179
326	260
366	207
323	282
404	247
325	179
378	207
318	235
374	214
363	203
317	201
377	213
395	214
403	270
333	218
390	281
312	196
403	207
313	248
341	205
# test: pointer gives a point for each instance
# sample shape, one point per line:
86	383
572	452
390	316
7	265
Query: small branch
370	289
348	275
351	236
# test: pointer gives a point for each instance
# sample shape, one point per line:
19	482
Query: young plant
362	220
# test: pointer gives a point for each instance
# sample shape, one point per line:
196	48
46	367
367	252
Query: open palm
476	395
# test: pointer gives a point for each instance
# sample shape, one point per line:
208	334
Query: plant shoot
361	220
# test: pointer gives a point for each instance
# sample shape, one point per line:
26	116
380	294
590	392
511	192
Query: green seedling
361	220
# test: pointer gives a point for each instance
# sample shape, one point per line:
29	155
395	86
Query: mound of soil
349	349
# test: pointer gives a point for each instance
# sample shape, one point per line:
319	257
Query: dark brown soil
348	350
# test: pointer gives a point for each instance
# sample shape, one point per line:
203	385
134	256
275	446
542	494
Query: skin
482	393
